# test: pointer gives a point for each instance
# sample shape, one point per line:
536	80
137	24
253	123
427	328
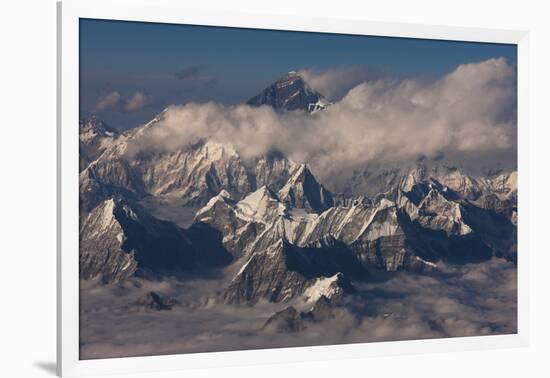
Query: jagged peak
264	189
103	215
260	206
272	251
222	197
260	194
297	177
386	213
278	247
323	287
107	206
302	190
113	207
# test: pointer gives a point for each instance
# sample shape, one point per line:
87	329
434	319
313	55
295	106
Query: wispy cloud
335	83
108	101
138	101
114	101
476	299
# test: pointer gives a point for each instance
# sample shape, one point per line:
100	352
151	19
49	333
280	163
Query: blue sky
179	63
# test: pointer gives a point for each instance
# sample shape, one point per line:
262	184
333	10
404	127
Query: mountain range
287	234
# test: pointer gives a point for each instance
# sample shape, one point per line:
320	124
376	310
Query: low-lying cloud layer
468	111
472	300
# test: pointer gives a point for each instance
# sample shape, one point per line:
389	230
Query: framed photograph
239	189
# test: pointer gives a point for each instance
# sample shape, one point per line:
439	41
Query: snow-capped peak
302	191
107	213
260	206
223	196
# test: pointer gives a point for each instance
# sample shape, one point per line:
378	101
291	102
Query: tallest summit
289	92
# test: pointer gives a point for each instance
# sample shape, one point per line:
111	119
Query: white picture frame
165	11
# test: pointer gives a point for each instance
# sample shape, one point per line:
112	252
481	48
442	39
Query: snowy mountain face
194	175
290	92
